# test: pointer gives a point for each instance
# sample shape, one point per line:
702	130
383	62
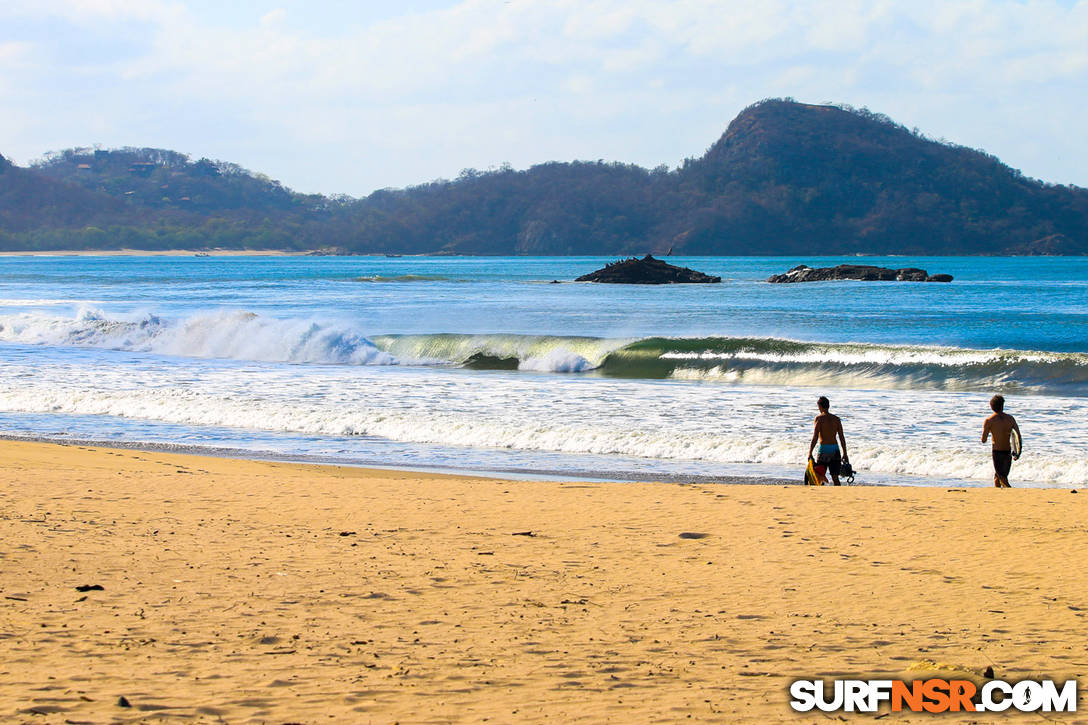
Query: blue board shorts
831	458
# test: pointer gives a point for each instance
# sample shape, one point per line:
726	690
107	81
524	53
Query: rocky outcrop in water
647	270
864	272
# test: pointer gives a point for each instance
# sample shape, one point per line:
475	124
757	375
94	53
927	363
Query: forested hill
784	178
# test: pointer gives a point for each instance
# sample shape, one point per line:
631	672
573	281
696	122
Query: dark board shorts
1002	463
833	461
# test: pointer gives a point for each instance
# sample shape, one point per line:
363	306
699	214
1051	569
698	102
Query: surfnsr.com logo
934	695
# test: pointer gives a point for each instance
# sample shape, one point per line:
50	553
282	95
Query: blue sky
348	97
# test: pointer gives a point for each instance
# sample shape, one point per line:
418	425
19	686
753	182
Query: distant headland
785	178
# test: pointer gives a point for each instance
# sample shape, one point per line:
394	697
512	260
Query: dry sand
273	592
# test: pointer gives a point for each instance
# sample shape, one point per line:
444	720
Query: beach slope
258	591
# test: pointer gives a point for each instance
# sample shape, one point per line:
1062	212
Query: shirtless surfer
828	428
1000	425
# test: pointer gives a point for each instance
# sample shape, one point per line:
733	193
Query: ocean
485	365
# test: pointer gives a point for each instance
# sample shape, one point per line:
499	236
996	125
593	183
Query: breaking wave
755	361
541	353
231	334
769	361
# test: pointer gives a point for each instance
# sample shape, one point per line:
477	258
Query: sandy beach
243	591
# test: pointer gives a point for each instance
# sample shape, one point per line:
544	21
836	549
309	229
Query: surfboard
1017	444
813	477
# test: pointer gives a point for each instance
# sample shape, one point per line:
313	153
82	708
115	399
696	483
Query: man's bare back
1000	425
828	431
828	427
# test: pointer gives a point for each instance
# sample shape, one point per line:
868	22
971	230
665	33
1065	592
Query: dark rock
90	588
864	272
646	271
483	361
911	274
122	701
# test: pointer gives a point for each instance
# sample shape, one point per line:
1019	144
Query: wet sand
275	592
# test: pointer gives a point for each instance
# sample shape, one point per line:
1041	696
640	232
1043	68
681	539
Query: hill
784	178
151	199
846	180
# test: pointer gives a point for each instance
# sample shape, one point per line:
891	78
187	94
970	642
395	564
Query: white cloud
579	83
92	10
14	53
420	94
273	17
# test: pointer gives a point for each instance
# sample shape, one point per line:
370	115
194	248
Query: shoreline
268	591
240	454
520	474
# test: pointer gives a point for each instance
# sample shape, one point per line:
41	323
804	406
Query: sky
349	97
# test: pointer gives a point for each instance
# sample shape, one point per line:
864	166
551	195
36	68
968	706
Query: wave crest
754	361
770	361
224	334
540	353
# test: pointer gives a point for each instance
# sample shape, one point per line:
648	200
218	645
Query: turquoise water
361	359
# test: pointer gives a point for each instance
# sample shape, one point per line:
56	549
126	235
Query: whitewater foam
232	334
568	415
243	335
292	350
538	353
786	362
193	408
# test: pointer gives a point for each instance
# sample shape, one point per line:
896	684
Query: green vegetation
785	178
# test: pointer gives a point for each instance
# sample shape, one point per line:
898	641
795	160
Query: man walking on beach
828	428
1000	425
